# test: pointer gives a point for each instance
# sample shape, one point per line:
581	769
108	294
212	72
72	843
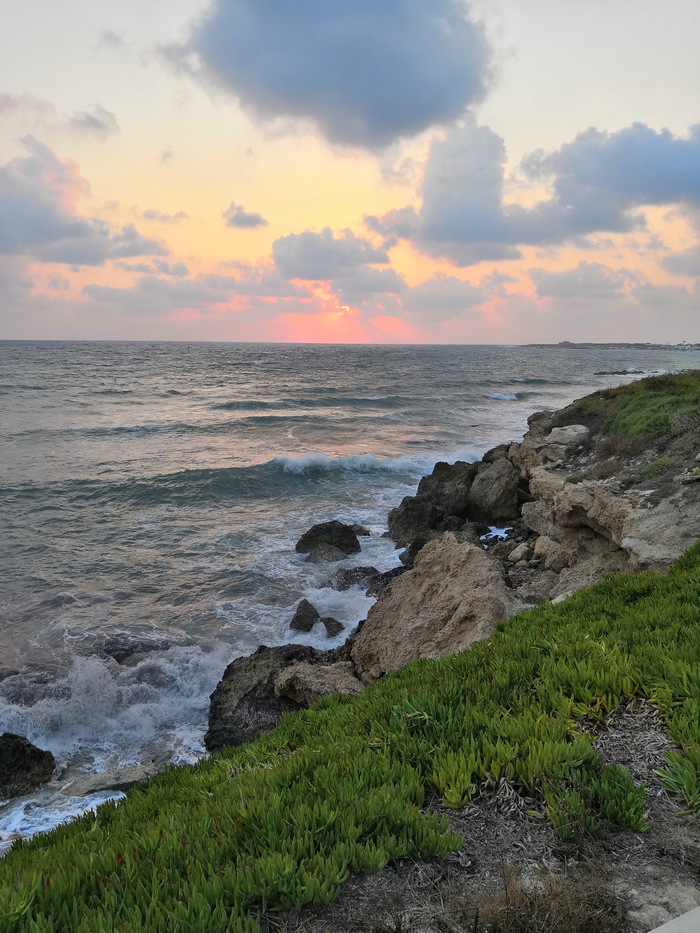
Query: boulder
305	617
447	488
522	551
494	493
334	533
453	597
244	703
325	554
346	577
415	516
333	626
360	530
305	683
496	453
23	766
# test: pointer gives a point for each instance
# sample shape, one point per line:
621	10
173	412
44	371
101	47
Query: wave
503	396
282	476
338	401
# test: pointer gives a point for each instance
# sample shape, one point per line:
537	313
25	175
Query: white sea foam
503	396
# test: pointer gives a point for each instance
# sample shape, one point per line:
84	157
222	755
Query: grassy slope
339	788
647	407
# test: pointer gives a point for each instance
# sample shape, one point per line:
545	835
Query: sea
151	495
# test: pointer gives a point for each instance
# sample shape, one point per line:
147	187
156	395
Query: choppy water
151	495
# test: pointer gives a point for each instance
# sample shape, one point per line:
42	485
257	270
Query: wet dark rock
334	533
325	554
131	652
305	617
448	486
415	516
23	766
382	580
244	704
496	453
361	531
346	577
333	626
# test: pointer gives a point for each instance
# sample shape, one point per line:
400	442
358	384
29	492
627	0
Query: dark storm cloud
322	256
364	72
97	122
600	182
237	216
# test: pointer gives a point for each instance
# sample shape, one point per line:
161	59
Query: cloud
97	122
364	73
38	215
237	216
167	155
686	262
25	105
161	218
441	298
599	182
129	243
587	281
109	39
322	256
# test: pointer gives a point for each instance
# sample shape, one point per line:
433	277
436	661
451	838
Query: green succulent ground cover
339	788
647	407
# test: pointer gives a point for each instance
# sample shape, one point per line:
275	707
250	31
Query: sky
350	171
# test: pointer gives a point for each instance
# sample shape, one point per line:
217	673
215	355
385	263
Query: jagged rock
334	533
411	519
360	530
571	435
324	554
522	551
23	766
305	683
496	453
382	580
452	598
305	617
244	704
408	555
346	577
447	488
494	493
539	447
333	626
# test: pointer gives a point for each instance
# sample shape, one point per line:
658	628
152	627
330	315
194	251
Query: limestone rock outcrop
453	597
305	683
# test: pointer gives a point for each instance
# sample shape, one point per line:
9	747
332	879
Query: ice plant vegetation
340	788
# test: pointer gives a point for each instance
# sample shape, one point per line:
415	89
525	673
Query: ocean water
151	495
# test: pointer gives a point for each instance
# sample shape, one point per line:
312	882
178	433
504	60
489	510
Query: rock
409	554
361	531
494	493
325	554
305	617
333	626
244	703
571	435
382	580
539	446
496	453
305	683
23	766
448	486
521	551
335	533
452	598
412	518
346	577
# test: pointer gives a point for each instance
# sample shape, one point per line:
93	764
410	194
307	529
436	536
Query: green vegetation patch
657	405
658	467
339	788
